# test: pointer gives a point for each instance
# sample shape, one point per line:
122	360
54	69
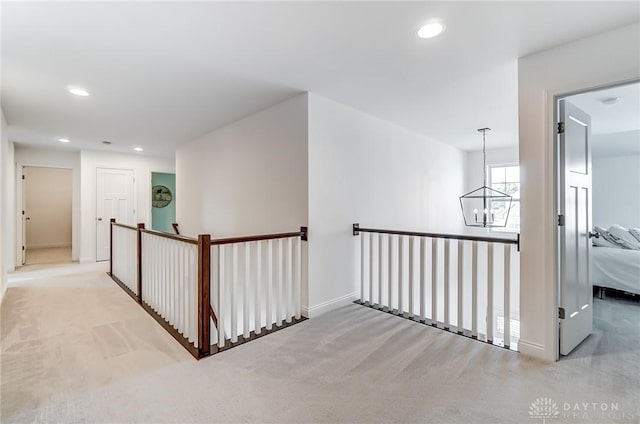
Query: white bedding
616	268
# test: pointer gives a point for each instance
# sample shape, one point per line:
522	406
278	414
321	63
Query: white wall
52	158
365	170
249	177
48	195
142	167
474	177
616	191
6	201
603	59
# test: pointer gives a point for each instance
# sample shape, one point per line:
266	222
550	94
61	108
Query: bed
616	268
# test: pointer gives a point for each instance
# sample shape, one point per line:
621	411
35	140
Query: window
506	179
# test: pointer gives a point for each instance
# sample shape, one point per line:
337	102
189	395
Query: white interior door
114	193
576	295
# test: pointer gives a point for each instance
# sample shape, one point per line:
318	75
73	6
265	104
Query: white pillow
604	235
624	238
601	242
635	232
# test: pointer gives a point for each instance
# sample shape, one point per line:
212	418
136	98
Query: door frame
20	227
553	158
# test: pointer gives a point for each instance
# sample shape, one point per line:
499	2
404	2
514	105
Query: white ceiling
615	127
164	73
622	116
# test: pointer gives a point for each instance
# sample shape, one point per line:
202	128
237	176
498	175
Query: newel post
139	259
204	294
111	222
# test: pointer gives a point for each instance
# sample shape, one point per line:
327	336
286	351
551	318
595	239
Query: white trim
19	206
533	350
329	305
87	260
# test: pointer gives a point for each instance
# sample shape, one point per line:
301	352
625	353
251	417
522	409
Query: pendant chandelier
485	207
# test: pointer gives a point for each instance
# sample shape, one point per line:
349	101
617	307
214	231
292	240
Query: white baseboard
86	260
533	350
48	245
329	305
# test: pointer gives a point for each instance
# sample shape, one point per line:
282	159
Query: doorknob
99	219
596	235
28	218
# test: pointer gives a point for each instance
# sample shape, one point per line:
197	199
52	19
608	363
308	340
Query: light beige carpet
49	255
76	348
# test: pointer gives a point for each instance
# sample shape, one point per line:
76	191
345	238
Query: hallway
76	348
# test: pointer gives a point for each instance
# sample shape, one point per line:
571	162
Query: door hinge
22	247
561	220
22	212
560	127
561	313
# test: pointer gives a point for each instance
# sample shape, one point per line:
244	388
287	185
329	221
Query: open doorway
163	205
599	221
47	215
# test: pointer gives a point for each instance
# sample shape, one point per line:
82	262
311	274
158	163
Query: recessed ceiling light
610	100
64	140
431	30
77	91
138	149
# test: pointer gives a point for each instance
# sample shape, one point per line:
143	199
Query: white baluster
380	270
234	294
507	295
258	291
245	292
423	302
222	313
434	281
289	291
460	286
474	289
269	321
362	266
193	292
370	268
446	284
279	302
390	274
400	275
490	292
411	242
298	276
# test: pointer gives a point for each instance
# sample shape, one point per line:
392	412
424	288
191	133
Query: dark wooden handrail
357	230
171	236
128	227
205	310
303	234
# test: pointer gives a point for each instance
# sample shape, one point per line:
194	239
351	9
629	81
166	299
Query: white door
114	193
576	296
